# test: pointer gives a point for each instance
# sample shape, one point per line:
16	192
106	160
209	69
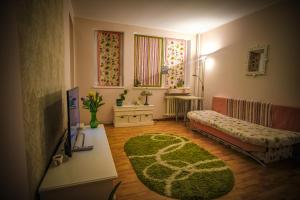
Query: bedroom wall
85	54
277	26
68	16
41	43
13	173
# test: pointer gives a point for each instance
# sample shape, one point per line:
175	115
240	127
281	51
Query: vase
94	122
119	102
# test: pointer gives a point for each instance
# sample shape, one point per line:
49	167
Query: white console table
86	175
133	115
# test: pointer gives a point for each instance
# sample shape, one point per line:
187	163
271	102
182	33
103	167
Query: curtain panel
148	59
175	57
109	58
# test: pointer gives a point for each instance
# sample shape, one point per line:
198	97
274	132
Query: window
175	53
148	59
151	53
109	58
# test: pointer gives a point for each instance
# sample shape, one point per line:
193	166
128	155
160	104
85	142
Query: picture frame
257	59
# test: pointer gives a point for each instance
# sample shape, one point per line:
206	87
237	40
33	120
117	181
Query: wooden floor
252	181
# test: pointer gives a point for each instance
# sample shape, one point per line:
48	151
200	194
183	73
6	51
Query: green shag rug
174	166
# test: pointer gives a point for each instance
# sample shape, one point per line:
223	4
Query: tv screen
73	119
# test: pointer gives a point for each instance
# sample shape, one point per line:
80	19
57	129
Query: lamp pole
199	79
202	79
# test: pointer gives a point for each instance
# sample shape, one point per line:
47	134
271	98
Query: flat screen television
73	119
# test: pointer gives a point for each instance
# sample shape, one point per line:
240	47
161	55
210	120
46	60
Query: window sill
150	88
107	87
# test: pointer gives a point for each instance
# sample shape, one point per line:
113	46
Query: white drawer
123	113
132	108
134	118
121	119
143	112
146	118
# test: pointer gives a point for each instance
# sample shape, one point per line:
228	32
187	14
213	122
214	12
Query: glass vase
119	102
94	122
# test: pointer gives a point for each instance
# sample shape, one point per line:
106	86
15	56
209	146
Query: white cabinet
146	117
132	115
87	175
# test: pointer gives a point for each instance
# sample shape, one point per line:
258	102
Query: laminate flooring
252	181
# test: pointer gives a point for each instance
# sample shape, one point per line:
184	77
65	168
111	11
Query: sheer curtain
148	59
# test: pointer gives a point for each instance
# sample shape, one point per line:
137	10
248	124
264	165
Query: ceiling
185	16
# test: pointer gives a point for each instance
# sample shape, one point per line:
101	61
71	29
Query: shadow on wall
52	106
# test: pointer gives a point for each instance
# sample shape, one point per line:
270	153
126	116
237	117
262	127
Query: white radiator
170	107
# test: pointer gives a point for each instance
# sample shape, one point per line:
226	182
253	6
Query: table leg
189	107
176	109
185	111
201	100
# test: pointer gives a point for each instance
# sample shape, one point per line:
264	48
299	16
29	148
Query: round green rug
174	166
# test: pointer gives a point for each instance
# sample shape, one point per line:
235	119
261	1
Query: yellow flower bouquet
92	102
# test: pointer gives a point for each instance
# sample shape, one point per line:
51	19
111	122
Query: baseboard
167	119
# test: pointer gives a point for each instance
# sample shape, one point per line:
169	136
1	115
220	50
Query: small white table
86	175
187	100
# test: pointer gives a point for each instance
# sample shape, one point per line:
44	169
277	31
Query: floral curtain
175	53
109	58
147	60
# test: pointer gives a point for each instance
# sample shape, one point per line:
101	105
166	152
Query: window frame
163	62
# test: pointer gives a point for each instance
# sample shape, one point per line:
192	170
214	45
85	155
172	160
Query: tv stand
86	175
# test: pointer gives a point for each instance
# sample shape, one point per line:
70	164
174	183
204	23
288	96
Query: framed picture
256	60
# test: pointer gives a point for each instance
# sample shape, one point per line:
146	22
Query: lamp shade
146	93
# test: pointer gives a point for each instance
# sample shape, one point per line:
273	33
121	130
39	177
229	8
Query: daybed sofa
262	143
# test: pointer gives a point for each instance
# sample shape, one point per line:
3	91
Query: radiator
251	111
170	107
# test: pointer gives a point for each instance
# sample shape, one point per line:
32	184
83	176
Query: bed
262	143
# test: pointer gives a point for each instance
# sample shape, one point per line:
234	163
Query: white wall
277	26
86	64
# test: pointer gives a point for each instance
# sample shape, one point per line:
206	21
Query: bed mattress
246	131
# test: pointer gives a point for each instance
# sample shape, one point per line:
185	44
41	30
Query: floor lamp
200	75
